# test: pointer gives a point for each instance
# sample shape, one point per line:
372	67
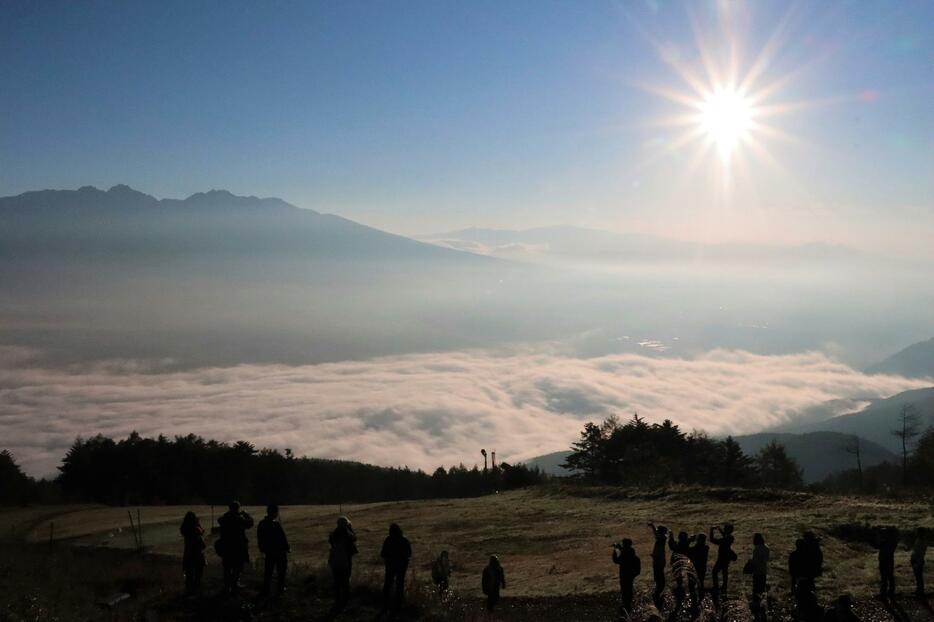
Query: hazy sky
426	116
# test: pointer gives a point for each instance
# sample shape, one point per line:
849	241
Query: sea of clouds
422	410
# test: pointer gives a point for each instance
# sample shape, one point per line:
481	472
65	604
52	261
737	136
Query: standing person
918	552
441	572
233	546
270	537
396	553
193	561
725	556
812	562
494	579
796	563
630	566
679	547
660	534
759	565
343	541
698	553
887	542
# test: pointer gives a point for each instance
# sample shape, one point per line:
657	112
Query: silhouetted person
918	551
841	611
270	537
808	608
630	566
698	554
812	562
233	546
441	572
796	568
725	556
658	560
396	553
343	543
492	581
759	565
887	542
681	546
193	561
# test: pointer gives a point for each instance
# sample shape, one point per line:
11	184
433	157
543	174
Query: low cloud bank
421	410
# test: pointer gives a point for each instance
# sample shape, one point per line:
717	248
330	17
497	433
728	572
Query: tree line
638	453
193	470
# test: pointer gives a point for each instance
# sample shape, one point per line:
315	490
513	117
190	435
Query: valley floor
554	542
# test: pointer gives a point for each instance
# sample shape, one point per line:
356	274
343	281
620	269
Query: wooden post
139	527
133	529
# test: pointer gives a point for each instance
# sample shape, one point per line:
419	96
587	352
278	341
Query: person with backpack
233	545
492	581
630	566
343	543
441	572
270	537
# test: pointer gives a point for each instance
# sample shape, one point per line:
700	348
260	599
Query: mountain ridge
914	361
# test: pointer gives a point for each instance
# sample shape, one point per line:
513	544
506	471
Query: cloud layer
421	410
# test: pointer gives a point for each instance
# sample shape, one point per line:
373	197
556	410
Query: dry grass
553	541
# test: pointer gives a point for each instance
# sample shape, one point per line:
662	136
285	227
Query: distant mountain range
876	421
566	242
818	453
915	361
89	222
222	279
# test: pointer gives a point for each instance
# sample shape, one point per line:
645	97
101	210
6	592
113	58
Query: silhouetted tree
854	447
909	427
16	488
643	454
923	458
190	469
777	469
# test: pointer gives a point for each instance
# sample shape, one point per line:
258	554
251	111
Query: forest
193	470
642	454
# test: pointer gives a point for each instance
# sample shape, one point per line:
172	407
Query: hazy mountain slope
818	453
583	244
915	361
876	422
221	279
551	463
91	222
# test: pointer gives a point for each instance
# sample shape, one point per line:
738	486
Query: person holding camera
725	557
233	546
660	534
630	566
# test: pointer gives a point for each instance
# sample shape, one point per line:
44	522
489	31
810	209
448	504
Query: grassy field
554	542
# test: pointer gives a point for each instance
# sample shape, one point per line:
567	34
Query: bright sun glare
728	104
726	117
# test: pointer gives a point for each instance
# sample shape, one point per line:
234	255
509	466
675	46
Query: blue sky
426	116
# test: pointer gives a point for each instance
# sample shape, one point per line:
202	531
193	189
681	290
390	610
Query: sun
728	105
726	116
